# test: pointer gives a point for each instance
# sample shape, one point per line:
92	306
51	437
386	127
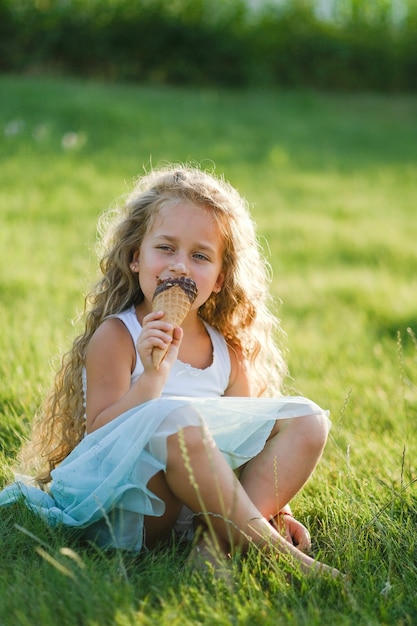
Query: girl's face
183	240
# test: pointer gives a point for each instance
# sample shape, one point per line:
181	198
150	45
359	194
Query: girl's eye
164	247
200	256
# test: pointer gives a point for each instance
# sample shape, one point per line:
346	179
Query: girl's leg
277	473
198	475
158	529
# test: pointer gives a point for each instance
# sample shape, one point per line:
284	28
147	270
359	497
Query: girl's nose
178	268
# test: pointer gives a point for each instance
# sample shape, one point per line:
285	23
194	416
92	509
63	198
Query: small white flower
14	127
386	589
72	140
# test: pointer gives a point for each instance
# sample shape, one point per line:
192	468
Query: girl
128	452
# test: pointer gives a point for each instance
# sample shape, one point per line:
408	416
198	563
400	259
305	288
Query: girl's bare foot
207	557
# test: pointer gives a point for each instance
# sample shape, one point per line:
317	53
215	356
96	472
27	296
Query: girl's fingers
177	336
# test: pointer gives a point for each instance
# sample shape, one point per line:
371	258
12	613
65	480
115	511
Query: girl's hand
158	334
297	533
294	532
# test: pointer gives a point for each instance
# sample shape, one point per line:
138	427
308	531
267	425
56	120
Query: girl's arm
239	382
110	361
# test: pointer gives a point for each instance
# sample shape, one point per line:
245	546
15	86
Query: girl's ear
219	283
134	264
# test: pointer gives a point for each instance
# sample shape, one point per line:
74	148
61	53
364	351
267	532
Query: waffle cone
175	303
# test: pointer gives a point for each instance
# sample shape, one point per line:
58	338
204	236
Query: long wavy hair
240	311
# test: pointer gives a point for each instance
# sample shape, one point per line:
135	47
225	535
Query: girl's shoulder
116	335
214	334
112	333
219	344
129	319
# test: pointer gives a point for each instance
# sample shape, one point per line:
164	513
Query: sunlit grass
332	185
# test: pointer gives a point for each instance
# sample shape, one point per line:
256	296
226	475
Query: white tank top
184	380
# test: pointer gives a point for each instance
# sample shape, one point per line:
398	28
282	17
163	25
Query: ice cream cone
174	297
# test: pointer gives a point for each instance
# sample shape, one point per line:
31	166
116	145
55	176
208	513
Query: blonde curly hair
240	311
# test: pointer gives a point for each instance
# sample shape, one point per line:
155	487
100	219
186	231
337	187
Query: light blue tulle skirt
101	487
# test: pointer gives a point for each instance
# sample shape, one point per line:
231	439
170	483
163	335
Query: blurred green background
332	44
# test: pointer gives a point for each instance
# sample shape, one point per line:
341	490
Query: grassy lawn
332	182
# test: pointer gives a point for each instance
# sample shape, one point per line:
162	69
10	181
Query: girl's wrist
149	385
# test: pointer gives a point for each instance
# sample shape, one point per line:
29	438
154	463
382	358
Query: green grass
332	182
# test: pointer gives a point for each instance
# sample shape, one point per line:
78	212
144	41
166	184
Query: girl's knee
189	442
310	430
316	430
